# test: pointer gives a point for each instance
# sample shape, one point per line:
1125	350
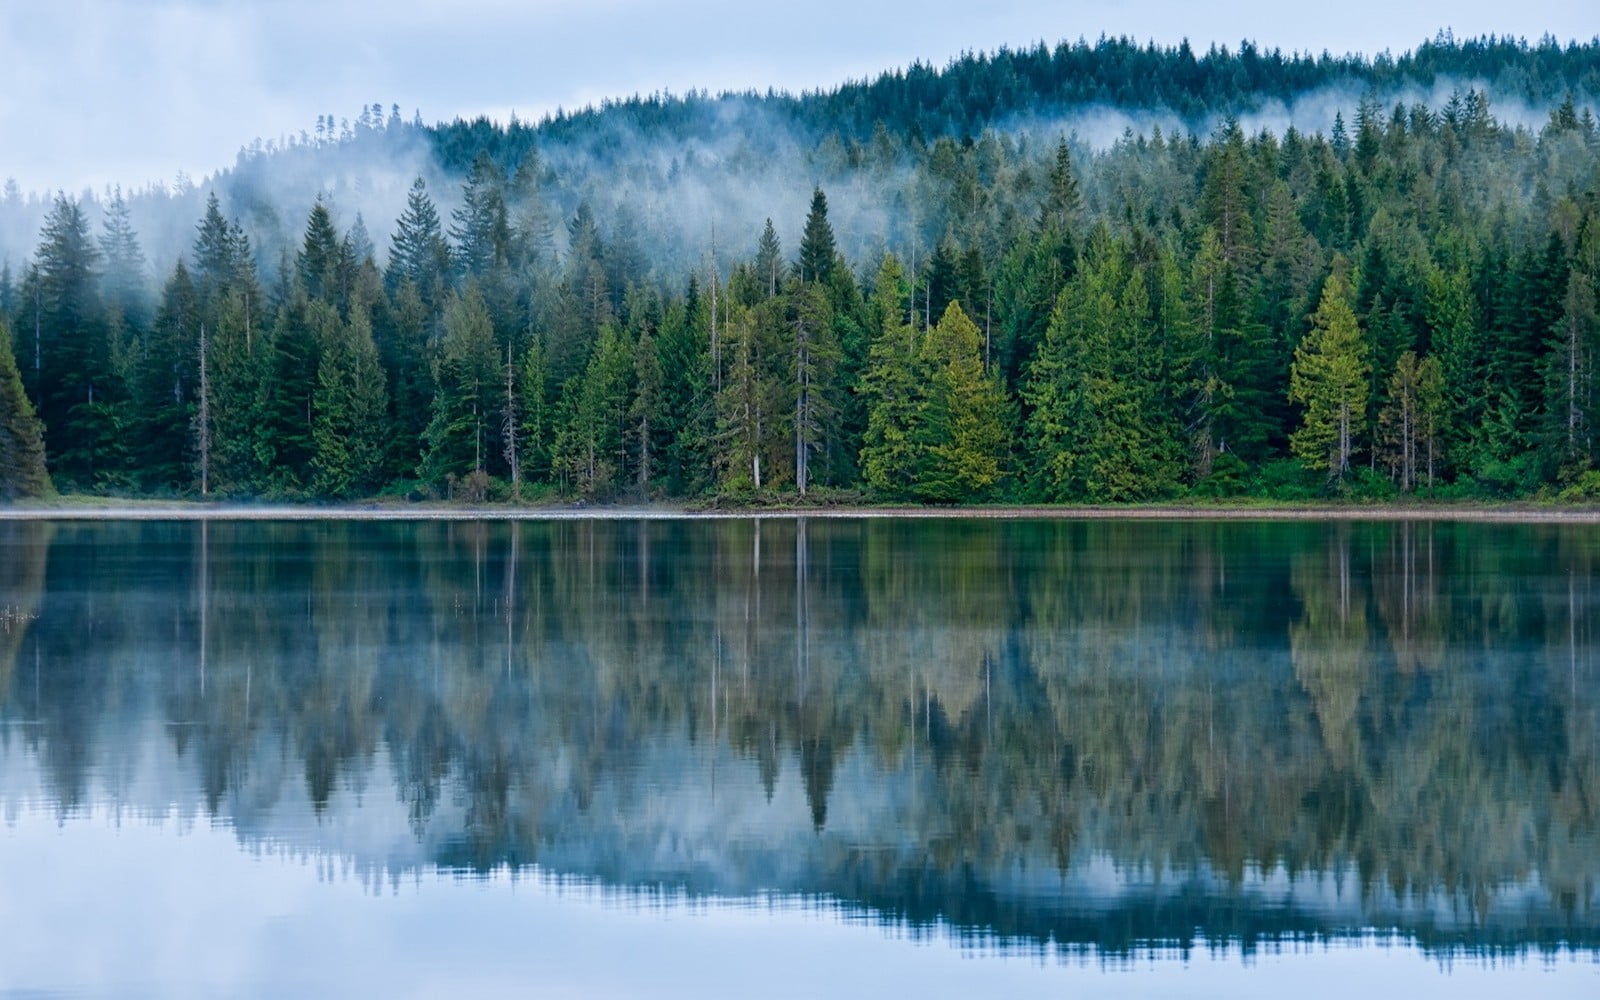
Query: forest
975	303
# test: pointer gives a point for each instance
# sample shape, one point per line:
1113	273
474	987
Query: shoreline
96	510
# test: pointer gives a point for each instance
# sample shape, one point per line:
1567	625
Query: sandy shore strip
181	511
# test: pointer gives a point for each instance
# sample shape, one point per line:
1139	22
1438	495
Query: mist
702	185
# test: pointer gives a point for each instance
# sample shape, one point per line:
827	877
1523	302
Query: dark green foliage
816	246
1050	321
462	432
22	466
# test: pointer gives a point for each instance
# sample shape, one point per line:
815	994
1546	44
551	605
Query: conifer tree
744	408
537	418
76	384
123	274
591	448
816	243
1063	201
349	407
240	368
645	410
962	425
1100	427
481	226
22	463
460	434
319	263
418	251
893	384
165	389
1329	378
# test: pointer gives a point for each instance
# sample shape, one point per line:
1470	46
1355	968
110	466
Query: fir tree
962	424
459	435
349	407
1329	378
22	465
816	244
893	385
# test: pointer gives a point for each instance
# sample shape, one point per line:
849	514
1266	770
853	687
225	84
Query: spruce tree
77	387
123	273
962	425
22	465
319	262
418	252
893	386
460	437
349	407
816	244
1329	378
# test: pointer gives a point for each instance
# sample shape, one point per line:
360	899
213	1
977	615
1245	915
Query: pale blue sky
135	90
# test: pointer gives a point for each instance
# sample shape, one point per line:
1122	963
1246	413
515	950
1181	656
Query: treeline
982	90
1407	304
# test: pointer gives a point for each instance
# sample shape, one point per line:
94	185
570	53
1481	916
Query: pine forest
943	286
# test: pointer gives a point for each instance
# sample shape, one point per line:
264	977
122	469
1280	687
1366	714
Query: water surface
790	757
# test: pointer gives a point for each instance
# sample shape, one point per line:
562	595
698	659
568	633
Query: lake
799	757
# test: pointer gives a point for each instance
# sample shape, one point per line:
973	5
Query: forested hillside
1288	277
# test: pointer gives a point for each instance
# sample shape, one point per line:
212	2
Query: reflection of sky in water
95	907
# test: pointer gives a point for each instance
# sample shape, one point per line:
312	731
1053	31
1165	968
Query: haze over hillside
676	164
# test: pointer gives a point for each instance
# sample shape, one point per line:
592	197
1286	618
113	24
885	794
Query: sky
133	91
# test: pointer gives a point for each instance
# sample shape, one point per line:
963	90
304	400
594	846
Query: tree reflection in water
1100	733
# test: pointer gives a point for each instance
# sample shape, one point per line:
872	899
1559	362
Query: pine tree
816	244
481	226
893	386
537	417
214	252
1406	421
1101	427
1571	399
467	374
76	385
165	389
418	252
349	407
319	263
239	361
1329	378
961	429
744	408
590	452
1062	201
22	465
815	361
769	261
123	275
645	411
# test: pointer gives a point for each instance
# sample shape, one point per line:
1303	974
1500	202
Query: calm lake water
799	758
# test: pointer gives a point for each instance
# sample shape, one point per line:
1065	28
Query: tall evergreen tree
893	385
349	407
22	465
418	252
1329	379
77	386
817	250
460	436
961	429
123	273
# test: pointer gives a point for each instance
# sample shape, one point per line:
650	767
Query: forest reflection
1112	735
